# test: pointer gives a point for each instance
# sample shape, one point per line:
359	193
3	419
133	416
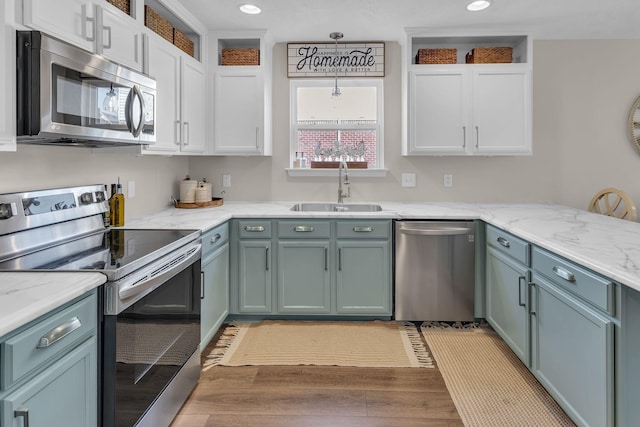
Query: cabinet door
502	111
7	78
363	277
572	354
164	66
215	298
193	106
304	281
254	276
438	112
68	20
238	113
506	302
64	395
117	38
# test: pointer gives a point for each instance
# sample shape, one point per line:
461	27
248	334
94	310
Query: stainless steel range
150	305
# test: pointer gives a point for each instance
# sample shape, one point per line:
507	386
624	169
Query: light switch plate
408	179
131	189
226	180
447	180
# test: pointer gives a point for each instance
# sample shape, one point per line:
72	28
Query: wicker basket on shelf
248	56
437	56
183	42
158	24
490	55
123	5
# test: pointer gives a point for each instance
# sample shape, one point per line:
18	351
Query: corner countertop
608	246
25	296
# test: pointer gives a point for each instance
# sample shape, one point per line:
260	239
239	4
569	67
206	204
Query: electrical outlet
226	181
448	180
131	189
408	179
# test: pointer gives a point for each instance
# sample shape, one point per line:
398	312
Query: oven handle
159	273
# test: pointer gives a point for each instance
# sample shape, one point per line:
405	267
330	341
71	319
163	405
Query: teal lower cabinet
363	277
298	267
55	383
507	303
255	276
215	282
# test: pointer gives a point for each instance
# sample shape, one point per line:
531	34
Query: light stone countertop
25	296
606	245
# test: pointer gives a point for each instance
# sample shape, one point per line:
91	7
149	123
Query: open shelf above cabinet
181	34
464	44
239	51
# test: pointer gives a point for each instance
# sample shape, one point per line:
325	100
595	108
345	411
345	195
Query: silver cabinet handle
266	258
520	281
303	229
257	137
504	242
59	332
185	137
202	285
477	136
566	275
108	44
178	132
215	238
85	19
254	228
339	259
532	309
362	229
326	259
464	136
24	413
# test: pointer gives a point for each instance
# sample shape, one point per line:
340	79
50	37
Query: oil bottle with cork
116	205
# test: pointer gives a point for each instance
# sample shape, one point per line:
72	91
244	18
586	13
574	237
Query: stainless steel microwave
66	95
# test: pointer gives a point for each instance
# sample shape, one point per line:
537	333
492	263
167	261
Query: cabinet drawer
304	229
28	350
593	288
509	244
363	229
213	239
254	229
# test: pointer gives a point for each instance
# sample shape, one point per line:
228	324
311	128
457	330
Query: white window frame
294	84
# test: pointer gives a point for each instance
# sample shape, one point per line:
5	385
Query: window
331	128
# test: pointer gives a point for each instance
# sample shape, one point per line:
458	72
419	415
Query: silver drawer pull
362	229
59	332
215	238
303	228
566	275
254	228
24	413
504	242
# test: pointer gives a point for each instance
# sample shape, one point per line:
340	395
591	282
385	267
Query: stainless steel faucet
341	194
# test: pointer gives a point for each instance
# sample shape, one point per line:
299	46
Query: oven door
146	347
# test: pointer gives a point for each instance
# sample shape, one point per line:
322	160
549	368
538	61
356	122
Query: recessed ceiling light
250	9
477	5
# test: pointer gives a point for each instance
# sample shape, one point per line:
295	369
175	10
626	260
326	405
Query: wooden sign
353	59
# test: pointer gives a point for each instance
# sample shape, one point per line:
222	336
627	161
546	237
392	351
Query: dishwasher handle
436	231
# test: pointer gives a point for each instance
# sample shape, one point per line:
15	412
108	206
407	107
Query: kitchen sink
336	207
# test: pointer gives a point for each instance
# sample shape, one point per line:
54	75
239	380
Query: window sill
377	173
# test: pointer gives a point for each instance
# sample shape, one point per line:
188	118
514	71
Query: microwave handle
135	91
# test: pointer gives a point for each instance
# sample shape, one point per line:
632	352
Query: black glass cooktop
107	251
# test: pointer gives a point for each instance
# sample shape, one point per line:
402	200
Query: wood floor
318	396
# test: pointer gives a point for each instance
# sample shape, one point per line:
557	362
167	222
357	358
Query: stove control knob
100	196
86	198
7	210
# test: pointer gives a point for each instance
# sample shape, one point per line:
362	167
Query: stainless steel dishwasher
434	270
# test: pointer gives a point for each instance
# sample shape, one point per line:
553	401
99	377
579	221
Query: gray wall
582	93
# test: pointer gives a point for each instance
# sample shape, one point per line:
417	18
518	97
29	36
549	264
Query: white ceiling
313	20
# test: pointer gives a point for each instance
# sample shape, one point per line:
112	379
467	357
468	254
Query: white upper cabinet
100	27
241	93
460	108
193	106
